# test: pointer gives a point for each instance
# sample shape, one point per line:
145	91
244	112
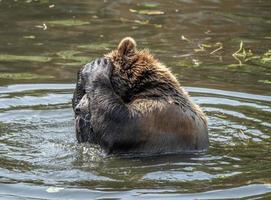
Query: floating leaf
266	57
43	26
142	22
29	37
185	38
151	12
196	62
150	4
132	10
54	189
158	26
221	176
68	22
265	81
220	116
206	45
147	12
201	48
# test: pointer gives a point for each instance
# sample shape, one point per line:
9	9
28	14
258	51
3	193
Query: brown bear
128	102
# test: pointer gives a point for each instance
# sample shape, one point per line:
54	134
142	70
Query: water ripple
38	144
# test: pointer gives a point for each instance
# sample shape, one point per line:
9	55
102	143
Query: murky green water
43	43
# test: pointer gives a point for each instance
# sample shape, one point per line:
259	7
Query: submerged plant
242	55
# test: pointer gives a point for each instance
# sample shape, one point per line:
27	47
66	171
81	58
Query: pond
220	52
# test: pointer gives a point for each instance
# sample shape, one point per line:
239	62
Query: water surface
42	45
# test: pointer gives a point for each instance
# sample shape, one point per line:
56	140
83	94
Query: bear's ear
127	46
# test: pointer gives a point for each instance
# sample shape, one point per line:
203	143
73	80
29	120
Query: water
42	45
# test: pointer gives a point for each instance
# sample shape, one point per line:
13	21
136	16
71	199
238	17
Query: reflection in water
38	146
43	44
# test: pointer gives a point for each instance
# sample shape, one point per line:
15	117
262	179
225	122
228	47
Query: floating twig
218	49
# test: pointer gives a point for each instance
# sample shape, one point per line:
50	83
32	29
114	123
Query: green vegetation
23	76
150	4
93	46
73	56
11	58
147	12
242	55
68	22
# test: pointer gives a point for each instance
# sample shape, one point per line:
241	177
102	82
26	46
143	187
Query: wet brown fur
151	89
148	111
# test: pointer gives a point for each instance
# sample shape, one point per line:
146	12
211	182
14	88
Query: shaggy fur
137	105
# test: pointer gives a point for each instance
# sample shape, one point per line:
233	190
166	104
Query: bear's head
136	71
